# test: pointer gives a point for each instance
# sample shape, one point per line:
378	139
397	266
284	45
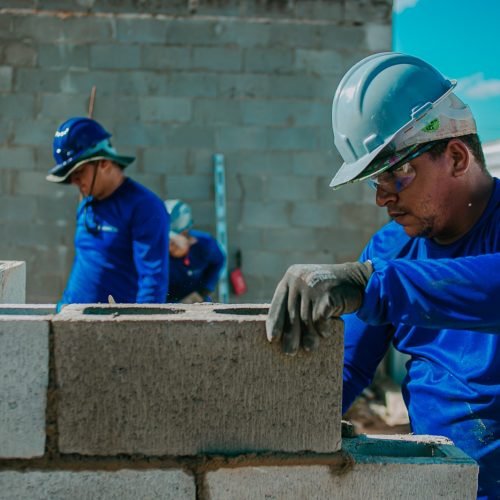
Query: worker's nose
383	198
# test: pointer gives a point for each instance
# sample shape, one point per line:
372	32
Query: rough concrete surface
413	469
97	485
12	282
24	368
199	381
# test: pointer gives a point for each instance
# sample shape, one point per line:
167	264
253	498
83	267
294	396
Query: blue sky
461	38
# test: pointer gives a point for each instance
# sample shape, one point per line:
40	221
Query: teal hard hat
390	102
181	217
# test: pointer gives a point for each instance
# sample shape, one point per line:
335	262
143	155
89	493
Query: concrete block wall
190	402
12	282
177	82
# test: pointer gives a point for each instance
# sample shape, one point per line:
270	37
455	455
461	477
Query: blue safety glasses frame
400	175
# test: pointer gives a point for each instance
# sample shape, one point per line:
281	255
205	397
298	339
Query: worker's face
178	246
424	207
83	177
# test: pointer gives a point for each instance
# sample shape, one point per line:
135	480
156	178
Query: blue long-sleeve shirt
440	304
121	248
199	270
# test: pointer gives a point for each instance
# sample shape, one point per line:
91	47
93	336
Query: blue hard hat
391	101
78	140
181	217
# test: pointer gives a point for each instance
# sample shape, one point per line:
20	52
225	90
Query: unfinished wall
176	83
190	402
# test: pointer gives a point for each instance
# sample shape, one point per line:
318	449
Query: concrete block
378	469
19	54
192	187
218	58
309	214
285	112
197	84
21	158
63	55
115	56
141	30
293	139
268	60
24	373
162	57
217	112
237	138
107	484
266	215
165	109
12	282
243	85
185	380
6	78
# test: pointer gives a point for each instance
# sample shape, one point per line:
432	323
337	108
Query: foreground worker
428	281
121	236
196	259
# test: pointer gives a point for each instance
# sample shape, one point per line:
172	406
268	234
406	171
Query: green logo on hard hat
432	126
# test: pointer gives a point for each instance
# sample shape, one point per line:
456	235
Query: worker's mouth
396	215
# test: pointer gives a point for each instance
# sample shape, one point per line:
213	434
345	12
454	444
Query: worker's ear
460	155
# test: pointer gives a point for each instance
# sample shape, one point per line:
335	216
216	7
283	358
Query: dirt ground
379	410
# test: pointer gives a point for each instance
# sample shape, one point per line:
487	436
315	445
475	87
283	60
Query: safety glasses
400	175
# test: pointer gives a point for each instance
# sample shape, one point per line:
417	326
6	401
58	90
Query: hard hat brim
63	174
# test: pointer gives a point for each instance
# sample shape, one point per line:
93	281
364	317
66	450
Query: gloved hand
310	299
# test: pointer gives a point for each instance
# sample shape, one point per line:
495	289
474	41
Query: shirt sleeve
459	293
212	272
150	249
364	348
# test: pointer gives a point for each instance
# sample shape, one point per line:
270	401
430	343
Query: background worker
122	227
429	281
196	259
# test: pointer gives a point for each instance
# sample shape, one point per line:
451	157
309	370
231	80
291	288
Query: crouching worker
196	259
122	227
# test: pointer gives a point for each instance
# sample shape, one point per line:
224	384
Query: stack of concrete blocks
12	282
190	402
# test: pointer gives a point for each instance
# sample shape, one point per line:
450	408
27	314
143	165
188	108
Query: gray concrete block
243	85
217	111
294	139
286	112
318	61
268	60
241	138
73	105
18	158
115	56
12	282
141	29
24	371
218	58
309	214
205	380
401	469
162	57
63	55
266	215
6	78
293	189
165	109
20	54
198	84
192	187
103	485
17	209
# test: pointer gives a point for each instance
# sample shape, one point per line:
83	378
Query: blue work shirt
121	248
440	304
199	270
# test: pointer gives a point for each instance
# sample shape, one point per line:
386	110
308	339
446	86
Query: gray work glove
310	299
